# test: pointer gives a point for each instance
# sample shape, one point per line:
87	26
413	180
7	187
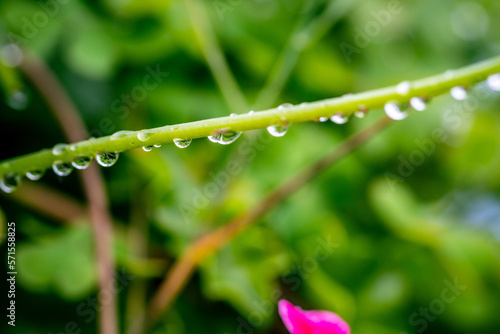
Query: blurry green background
401	229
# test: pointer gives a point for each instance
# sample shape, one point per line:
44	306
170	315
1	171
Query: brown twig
49	202
66	114
208	244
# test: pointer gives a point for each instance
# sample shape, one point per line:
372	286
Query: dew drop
360	114
35	175
449	74
157	145
182	143
285	106
418	104
62	168
277	130
10	182
106	159
59	149
81	162
120	134
73	147
144	135
251	112
147	148
323	119
229	137
403	88
339	119
493	82
214	139
393	110
459	93
233	114
224	137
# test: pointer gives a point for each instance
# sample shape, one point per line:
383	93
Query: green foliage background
400	229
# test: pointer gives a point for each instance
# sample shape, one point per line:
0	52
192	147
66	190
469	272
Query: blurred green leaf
62	263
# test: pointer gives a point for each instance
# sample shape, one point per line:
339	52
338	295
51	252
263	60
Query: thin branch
137	241
347	105
210	243
214	56
49	202
71	123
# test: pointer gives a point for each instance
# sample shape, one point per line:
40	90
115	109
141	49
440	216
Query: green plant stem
211	242
348	104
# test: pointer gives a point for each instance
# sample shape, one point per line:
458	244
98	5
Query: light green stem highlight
307	112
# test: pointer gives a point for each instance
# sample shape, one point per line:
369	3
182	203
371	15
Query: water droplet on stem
459	93
360	114
418	104
339	119
81	162
182	143
224	136
107	159
62	168
284	106
214	139
403	88
393	110
35	175
10	182
120	134
278	130
59	149
144	135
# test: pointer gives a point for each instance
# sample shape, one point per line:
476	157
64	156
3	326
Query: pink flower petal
298	321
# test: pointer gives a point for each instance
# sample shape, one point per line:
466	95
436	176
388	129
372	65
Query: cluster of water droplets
395	110
399	111
150	148
10	181
461	93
